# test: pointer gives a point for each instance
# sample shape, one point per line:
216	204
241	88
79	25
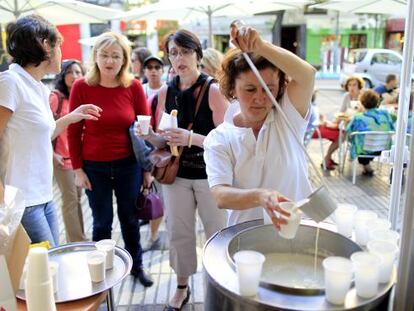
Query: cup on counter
363	219
366	269
338	273
54	274
344	218
96	265
108	247
144	123
288	231
384	235
387	251
249	268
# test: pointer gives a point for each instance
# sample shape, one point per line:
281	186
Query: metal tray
74	281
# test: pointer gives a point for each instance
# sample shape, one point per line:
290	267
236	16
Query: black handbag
148	204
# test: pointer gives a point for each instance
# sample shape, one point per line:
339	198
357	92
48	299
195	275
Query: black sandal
186	299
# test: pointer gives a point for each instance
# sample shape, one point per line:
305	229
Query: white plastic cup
384	235
96	265
144	123
344	218
288	231
366	269
379	223
54	274
249	268
338	276
363	219
387	251
108	247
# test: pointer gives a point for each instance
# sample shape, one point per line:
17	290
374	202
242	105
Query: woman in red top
62	166
101	152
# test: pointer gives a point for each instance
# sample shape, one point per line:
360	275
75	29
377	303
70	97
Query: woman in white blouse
253	160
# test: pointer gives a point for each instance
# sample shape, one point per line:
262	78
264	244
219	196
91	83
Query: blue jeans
41	223
124	177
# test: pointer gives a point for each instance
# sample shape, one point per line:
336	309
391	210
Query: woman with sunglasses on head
27	121
101	152
63	172
189	192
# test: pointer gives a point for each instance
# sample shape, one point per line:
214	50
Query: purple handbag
148	205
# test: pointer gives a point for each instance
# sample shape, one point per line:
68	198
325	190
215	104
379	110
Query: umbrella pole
210	28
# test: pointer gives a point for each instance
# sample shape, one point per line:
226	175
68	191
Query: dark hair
369	99
359	80
185	39
25	39
60	84
234	64
390	77
141	54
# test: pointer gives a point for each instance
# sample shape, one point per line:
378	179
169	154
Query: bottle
7	299
39	286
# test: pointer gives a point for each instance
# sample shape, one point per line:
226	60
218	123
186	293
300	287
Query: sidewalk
368	193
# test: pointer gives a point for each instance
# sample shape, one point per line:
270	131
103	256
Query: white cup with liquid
144	123
338	273
108	247
363	220
288	231
249	269
96	265
344	218
387	251
366	269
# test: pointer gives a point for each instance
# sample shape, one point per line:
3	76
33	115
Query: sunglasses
156	67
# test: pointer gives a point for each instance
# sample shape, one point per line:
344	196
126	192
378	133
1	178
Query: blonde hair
212	60
124	77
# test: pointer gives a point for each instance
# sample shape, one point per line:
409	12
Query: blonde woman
101	152
210	64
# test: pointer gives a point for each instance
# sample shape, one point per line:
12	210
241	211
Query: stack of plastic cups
363	219
39	286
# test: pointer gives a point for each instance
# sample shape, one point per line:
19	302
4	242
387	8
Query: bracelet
190	139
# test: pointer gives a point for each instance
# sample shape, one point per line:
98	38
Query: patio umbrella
184	10
391	7
57	12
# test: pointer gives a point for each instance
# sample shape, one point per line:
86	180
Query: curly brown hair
369	99
234	64
359	80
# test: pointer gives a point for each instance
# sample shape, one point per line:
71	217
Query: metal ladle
318	205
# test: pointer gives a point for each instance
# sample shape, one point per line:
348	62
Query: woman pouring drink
253	160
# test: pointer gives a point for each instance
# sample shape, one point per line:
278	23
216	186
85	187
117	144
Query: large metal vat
222	288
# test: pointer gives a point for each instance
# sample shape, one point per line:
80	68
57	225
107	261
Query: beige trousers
71	206
181	200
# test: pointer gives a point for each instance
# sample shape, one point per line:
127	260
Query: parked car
372	65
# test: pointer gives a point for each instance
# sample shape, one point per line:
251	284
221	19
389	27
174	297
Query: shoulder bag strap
198	103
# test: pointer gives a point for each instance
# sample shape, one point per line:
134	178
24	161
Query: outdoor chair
308	136
374	141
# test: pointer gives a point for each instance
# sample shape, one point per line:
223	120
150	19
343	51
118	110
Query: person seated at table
328	130
388	92
354	88
253	159
371	118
